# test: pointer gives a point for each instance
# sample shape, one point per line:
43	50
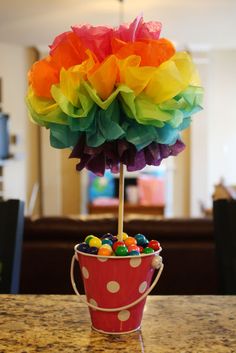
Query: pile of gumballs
108	245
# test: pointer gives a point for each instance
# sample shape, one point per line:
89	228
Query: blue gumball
93	250
84	247
107	241
134	253
107	235
141	239
145	243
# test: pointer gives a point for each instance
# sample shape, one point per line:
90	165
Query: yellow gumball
124	235
95	242
88	238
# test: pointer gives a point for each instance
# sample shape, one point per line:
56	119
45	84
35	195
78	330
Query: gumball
145	243
88	238
148	250
107	235
140	248
118	243
140	238
130	240
114	239
107	241
106	246
104	251
134	253
93	250
125	236
95	241
83	247
121	251
133	247
154	244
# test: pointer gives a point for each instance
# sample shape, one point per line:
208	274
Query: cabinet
128	209
2	162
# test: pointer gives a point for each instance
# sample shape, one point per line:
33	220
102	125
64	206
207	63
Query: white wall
13	73
222	114
213	131
199	142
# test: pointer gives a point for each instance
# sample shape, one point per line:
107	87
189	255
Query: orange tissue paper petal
105	77
152	52
42	76
67	50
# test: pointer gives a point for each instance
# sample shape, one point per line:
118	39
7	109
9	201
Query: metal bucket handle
156	264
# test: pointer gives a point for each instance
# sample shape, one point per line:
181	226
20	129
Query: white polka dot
135	262
142	287
113	287
85	272
93	302
102	259
124	315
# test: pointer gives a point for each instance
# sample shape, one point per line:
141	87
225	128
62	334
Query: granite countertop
60	323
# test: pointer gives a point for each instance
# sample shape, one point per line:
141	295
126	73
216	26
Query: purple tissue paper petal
110	154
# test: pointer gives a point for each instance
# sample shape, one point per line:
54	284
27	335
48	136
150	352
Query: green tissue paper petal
67	107
62	137
86	124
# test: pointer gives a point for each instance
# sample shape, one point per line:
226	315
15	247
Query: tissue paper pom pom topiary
115	95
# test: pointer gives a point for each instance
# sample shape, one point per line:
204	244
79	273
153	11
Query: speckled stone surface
53	323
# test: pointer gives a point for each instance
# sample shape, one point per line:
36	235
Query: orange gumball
129	241
104	251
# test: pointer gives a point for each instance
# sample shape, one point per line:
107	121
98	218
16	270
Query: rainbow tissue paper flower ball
115	95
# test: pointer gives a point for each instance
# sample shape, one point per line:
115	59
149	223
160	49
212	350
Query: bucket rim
116	257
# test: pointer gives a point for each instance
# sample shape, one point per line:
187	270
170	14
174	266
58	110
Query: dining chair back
224	213
11	236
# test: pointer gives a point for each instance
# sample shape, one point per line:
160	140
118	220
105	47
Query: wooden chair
224	213
11	236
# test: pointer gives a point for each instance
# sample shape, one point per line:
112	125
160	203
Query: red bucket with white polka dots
116	288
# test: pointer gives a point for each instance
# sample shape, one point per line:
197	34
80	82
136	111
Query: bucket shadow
125	343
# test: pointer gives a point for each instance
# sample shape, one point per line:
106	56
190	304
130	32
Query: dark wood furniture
128	209
188	251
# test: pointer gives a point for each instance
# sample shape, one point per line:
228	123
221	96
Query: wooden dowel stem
121	204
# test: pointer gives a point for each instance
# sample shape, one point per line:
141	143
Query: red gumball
133	247
118	243
140	248
154	244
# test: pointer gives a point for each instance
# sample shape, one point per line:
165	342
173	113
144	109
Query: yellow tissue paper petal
70	79
95	97
103	79
137	78
39	104
171	77
132	60
42	111
69	83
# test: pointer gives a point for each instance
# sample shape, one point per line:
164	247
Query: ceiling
201	23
